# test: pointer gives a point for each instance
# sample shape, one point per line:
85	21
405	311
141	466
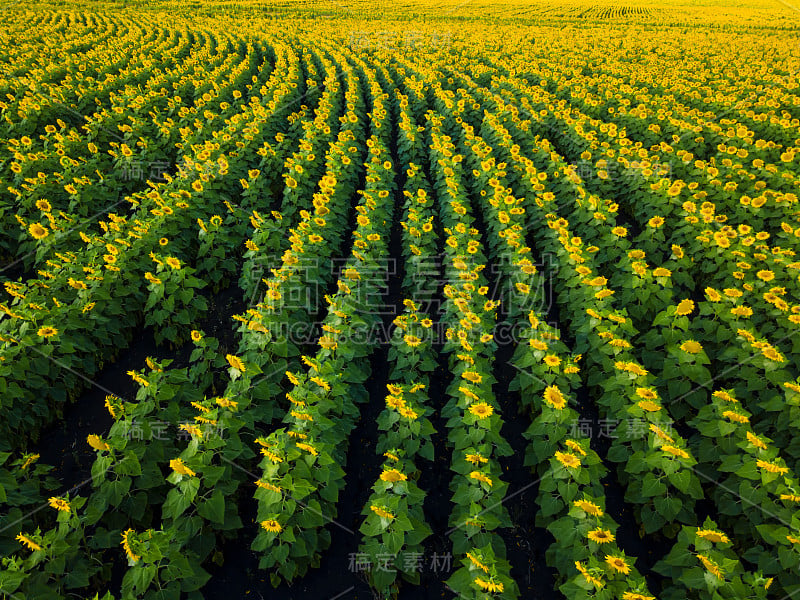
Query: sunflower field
452	299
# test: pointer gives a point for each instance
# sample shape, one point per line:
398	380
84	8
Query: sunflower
568	459
95	442
308	448
598	583
537	344
771	467
646	393
481	410
756	441
553	397
268	486
476	561
630	367
691	346
765	275
196	335
178	466
27	542
735	416
636	596
271	525
59	504
589	507
235	362
712	536
472	376
601	536
685	307
29	460
675	451
489	585
478	476
193	430
381	512
126	544
596	281
618	564
551	360
575	446
476	459
648	405
710	566
773	355
393	476
271	456
321	383
43	205
173	262
227	403
408	413
725	395
38	231
661	433
412	340
47	331
215	220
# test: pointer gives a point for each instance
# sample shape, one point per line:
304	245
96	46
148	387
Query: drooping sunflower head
28	542
126	544
589	507
712	536
235	362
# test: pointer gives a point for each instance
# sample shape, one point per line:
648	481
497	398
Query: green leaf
129	465
213	509
652	486
681	479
